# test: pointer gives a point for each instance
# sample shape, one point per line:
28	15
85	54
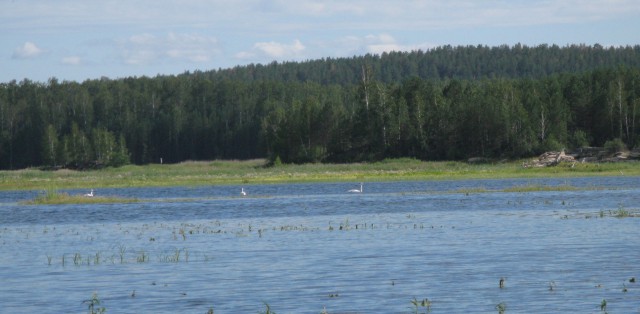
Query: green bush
615	145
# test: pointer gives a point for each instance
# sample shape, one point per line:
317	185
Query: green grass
542	188
53	197
255	172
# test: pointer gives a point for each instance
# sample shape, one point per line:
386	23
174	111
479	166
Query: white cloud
27	51
376	44
279	50
147	48
72	60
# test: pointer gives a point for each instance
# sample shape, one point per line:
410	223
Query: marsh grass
542	188
526	189
622	212
54	197
257	172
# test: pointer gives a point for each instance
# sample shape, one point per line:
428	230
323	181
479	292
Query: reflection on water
307	247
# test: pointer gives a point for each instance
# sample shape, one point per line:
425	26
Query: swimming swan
243	193
90	194
356	190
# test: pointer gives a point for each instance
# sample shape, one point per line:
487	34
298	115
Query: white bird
356	190
243	193
90	194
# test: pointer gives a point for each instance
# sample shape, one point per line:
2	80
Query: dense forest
448	103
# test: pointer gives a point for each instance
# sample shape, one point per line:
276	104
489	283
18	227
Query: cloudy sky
87	39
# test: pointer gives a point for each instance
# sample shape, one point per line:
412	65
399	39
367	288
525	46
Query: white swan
243	193
356	190
90	194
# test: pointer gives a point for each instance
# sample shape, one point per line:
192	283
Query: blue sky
87	39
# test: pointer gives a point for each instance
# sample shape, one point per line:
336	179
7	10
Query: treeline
442	63
506	106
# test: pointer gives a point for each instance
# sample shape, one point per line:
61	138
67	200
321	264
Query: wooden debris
550	159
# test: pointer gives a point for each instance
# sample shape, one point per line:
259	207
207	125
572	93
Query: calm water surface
307	247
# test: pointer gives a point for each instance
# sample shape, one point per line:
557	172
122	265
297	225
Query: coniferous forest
447	103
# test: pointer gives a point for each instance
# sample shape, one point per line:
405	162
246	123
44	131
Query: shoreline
230	172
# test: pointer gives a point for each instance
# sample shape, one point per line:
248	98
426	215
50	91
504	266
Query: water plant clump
421	306
54	197
93	305
603	305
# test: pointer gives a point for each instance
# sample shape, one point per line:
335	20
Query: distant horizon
73	40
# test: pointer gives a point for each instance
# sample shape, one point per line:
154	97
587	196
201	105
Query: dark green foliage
615	145
442	104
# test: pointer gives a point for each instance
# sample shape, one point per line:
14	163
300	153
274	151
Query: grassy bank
255	172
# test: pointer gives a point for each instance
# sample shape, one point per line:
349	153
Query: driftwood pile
582	155
550	159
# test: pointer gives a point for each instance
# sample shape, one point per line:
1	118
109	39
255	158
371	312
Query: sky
76	40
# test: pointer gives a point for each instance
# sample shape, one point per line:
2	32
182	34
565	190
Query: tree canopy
447	103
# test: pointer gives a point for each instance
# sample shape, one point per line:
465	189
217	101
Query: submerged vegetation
258	171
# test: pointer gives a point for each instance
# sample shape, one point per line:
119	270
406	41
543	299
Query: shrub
615	145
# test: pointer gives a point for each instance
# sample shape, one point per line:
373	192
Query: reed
603	305
142	257
93	304
268	309
421	306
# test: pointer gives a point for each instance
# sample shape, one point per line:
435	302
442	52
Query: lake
309	248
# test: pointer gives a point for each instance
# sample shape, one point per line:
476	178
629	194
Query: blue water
303	248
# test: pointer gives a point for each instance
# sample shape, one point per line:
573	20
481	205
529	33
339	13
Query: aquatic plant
54	197
345	225
424	304
93	303
122	250
142	257
501	307
268	310
603	305
622	212
173	258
